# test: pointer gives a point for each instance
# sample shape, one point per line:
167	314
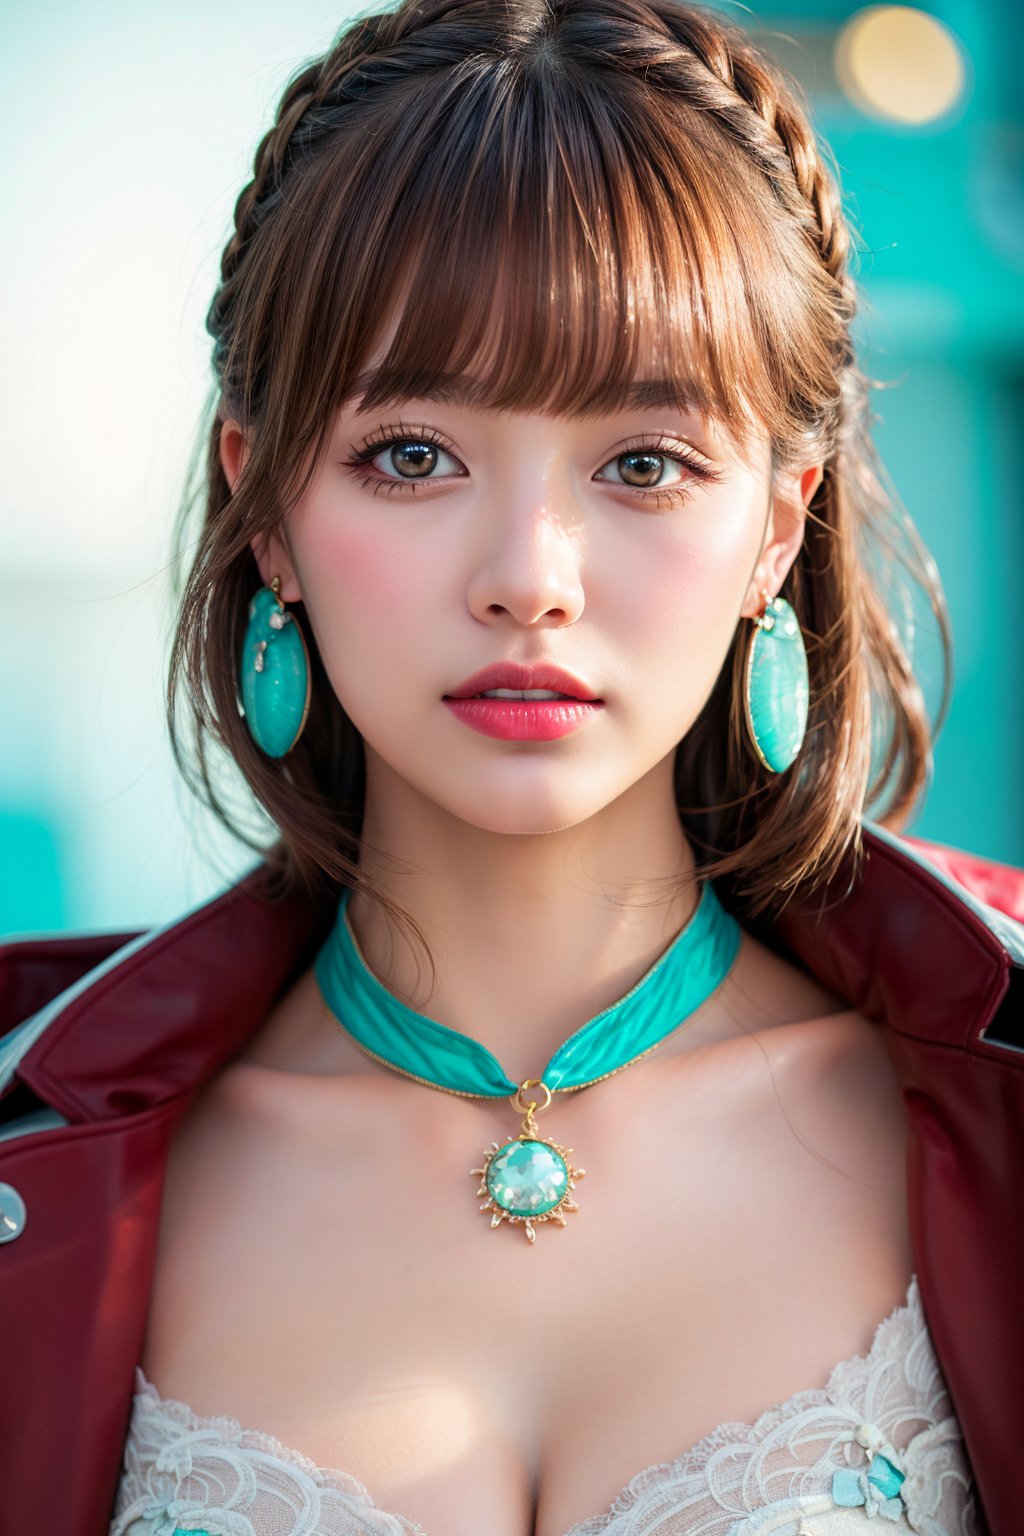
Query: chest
325	1274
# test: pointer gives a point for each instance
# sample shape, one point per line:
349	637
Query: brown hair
620	172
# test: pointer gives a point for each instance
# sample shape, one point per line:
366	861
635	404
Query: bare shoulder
298	1091
842	1093
825	1069
787	1049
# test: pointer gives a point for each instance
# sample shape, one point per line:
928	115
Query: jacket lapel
164	1011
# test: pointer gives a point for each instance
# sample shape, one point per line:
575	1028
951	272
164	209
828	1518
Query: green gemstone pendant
528	1180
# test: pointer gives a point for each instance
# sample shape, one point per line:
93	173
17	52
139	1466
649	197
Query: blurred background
130	130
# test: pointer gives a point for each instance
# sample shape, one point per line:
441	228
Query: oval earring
274	673
775	686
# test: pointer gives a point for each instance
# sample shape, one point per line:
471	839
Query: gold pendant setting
529	1179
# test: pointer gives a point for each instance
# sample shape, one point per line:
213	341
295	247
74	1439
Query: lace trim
769	1475
897	1382
234	1433
230	1431
735	1432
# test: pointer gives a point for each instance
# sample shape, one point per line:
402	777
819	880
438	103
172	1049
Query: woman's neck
531	935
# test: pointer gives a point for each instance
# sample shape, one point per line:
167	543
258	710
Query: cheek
356	565
695	579
365	594
357	581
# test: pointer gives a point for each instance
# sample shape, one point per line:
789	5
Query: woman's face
437	539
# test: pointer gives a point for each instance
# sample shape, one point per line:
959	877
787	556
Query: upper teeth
522	693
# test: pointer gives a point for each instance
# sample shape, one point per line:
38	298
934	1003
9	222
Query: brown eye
641	469
413	460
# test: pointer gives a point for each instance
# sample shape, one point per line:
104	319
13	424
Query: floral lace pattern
879	1442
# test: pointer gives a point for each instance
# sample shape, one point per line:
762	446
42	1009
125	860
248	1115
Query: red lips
515	674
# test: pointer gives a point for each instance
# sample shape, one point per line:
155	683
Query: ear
784	534
269	549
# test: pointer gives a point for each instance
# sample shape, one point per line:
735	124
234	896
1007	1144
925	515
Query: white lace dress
879	1443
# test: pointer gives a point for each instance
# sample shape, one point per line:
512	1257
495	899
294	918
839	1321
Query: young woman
542	582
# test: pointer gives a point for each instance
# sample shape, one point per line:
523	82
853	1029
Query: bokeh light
900	64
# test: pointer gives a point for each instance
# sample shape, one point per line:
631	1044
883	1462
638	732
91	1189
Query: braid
268	166
758	107
300	122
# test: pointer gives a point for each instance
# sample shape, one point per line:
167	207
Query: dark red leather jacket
105	1038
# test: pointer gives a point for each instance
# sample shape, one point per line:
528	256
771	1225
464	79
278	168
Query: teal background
129	132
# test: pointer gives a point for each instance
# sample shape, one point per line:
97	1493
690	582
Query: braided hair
541	196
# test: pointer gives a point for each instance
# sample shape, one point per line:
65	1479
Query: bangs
533	235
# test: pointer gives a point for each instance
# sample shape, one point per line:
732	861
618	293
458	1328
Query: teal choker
528	1180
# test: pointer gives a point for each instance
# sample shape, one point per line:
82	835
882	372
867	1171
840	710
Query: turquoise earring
274	674
775	691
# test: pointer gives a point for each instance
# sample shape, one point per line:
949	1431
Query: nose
530	566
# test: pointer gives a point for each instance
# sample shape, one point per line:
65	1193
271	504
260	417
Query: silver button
12	1213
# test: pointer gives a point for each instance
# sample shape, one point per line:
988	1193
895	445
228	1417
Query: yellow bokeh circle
900	64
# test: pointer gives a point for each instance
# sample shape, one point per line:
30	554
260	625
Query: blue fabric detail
691	968
876	1487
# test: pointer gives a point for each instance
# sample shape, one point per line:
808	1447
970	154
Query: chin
528	812
523	826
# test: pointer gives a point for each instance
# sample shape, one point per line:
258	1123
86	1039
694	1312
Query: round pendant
527	1181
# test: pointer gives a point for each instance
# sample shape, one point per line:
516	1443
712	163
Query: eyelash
702	473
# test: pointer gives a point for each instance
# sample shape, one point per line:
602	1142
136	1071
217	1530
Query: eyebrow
461	390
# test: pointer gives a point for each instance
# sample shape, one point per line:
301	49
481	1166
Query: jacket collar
907	945
904	944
